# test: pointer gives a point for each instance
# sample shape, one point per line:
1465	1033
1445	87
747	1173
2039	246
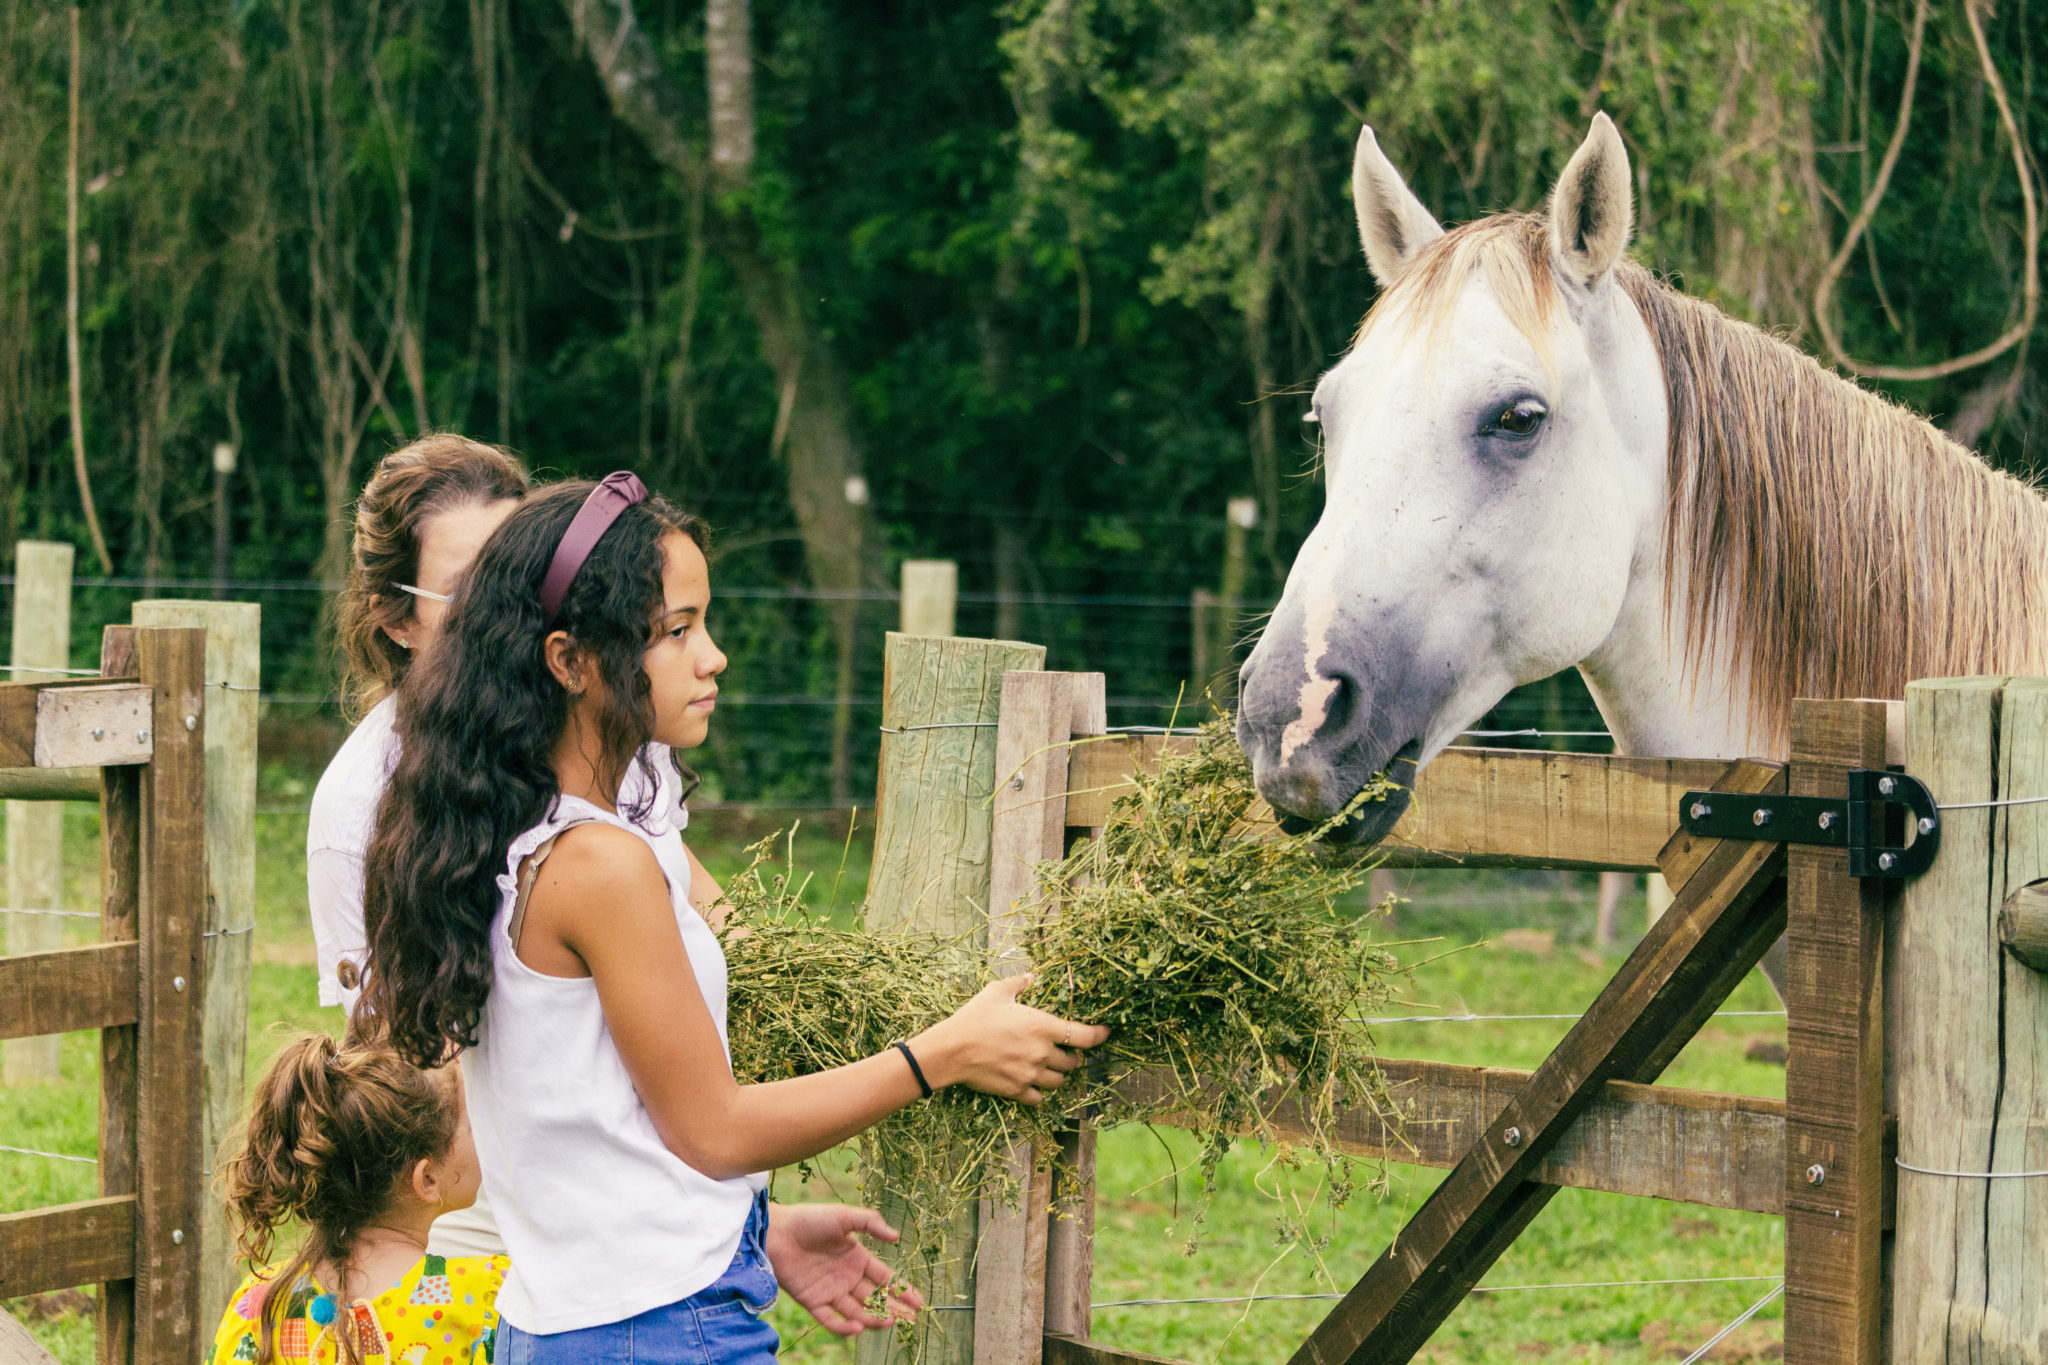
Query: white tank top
601	1220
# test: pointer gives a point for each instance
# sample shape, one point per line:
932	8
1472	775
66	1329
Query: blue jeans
718	1325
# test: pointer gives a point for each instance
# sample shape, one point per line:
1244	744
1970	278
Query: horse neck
1657	704
1843	546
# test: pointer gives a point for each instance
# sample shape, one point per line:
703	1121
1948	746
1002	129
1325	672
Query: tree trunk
823	458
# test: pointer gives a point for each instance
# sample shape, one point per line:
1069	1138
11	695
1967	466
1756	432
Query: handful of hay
1214	949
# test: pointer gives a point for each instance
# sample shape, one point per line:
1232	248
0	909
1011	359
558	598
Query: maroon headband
606	501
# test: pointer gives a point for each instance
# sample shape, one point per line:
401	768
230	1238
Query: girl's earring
405	644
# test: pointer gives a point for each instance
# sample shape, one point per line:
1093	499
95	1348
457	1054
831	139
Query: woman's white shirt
344	816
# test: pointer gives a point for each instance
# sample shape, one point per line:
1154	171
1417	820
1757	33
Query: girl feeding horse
519	911
420	521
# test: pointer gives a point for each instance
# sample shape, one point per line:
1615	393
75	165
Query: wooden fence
981	779
139	740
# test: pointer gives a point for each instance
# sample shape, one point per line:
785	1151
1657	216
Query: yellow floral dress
443	1311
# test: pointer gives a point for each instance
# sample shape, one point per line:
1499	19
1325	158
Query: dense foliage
1044	273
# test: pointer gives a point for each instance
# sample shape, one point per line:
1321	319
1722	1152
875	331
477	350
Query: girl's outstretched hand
996	1045
819	1261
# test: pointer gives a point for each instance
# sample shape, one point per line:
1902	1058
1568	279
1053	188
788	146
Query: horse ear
1392	223
1592	211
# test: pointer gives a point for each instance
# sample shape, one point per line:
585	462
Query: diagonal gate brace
1727	913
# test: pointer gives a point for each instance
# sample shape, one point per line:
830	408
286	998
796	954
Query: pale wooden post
931	587
1040	713
18	1347
1972	1055
233	676
1834	1079
1203	613
941	699
1070	1241
35	829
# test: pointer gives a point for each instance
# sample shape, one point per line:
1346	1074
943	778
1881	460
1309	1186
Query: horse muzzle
1309	770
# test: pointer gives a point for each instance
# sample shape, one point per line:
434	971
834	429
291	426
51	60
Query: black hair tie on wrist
915	1069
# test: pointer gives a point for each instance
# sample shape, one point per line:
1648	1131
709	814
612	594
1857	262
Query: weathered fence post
170	1320
1041	712
1972	1056
1834	1078
940	704
233	675
931	588
35	829
1070	1241
120	1048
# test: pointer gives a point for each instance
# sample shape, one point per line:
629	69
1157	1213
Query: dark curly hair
477	725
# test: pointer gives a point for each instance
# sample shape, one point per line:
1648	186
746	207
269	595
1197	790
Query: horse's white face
1489	516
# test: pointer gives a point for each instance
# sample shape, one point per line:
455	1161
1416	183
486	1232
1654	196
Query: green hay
1215	950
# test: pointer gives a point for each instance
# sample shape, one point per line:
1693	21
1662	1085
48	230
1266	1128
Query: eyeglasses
421	592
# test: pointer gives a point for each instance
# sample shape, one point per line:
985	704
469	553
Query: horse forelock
1819	538
1510	249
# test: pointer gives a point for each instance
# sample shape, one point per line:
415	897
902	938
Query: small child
365	1150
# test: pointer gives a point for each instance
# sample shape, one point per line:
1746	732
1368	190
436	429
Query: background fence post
234	669
35	829
1834	1077
931	588
1972	1055
933	850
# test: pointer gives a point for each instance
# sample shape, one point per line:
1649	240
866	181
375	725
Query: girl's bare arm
601	909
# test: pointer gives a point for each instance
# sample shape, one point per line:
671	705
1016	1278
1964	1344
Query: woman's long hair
477	726
437	472
332	1130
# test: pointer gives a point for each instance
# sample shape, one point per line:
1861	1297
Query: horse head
1494	445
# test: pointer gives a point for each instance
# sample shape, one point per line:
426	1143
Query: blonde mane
1846	545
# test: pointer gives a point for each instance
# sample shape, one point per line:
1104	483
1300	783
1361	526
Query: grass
1580	1237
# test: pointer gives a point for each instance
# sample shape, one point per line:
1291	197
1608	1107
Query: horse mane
1831	542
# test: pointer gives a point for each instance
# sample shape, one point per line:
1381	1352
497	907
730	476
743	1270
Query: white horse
1538	456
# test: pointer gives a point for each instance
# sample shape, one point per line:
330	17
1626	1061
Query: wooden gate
133	738
1588	1117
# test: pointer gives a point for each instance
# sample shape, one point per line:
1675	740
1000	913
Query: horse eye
1522	419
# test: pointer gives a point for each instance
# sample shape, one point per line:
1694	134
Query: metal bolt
1886	786
1927	824
1827	819
177	983
1760	816
99	732
142	736
191	722
1701	810
1017	783
1885	861
1816	1175
1512	1137
177	1237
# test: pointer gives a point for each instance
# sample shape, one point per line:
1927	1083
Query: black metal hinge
1880	805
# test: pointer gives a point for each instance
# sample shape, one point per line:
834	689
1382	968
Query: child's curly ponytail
332	1131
